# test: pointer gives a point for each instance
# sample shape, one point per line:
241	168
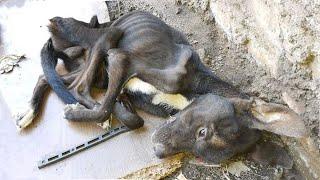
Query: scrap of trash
158	171
8	62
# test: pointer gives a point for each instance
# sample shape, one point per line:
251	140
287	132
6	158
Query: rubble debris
194	42
199	162
202	53
158	171
8	62
296	106
114	8
178	11
181	177
236	168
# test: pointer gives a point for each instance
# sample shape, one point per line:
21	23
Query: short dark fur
159	55
68	50
49	59
67	33
158	59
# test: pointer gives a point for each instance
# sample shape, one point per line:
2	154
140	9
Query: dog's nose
52	20
159	150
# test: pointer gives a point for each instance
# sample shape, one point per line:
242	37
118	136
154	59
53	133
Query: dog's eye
202	132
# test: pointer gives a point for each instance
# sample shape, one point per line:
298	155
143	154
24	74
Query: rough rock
274	31
7	63
197	5
236	168
282	38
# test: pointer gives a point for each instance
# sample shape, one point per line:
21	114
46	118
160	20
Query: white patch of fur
177	101
23	120
72	106
137	85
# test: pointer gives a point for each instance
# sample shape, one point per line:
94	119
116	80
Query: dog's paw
72	107
24	119
69	108
78	112
72	111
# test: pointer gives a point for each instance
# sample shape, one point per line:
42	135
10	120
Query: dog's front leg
97	54
117	70
83	86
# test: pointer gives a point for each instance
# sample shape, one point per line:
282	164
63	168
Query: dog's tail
48	62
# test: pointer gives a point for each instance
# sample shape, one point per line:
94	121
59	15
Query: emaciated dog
151	66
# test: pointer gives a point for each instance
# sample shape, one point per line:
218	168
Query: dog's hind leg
117	70
126	114
42	86
83	83
24	119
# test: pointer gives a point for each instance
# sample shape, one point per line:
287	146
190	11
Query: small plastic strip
97	140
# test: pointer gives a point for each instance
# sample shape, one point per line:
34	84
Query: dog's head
71	32
59	26
216	128
61	30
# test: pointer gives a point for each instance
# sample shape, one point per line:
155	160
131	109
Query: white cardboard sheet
24	32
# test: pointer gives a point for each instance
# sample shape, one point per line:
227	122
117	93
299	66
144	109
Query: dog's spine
48	63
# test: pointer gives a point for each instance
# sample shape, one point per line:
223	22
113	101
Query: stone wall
274	31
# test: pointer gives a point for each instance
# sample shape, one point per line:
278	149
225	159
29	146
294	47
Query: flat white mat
24	32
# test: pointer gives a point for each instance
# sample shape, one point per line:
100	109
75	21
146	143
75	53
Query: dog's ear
271	117
241	105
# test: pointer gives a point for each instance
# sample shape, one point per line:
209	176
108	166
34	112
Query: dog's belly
175	101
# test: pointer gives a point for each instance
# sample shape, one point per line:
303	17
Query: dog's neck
204	82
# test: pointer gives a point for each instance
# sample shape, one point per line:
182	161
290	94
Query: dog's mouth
52	27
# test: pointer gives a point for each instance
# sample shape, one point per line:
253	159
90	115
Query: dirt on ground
233	64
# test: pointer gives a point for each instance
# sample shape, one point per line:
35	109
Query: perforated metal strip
97	140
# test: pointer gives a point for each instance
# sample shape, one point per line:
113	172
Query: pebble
189	34
178	11
194	42
202	53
